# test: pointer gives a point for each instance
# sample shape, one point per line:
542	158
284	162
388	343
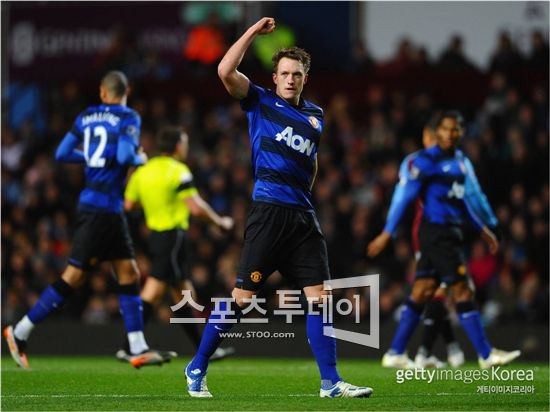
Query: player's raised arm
234	81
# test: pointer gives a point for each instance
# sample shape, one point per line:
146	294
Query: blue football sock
410	316
471	322
211	338
324	349
131	307
49	300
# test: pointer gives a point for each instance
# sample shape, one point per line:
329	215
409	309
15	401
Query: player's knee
127	271
242	296
461	292
73	276
316	293
423	290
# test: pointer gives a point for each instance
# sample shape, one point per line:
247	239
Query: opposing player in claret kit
437	174
109	136
282	232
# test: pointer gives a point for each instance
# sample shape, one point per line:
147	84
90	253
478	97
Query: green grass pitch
101	383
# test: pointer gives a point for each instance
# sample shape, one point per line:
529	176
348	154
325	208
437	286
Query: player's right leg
219	323
324	348
51	298
422	292
470	320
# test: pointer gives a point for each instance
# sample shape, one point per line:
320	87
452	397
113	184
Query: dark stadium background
53	55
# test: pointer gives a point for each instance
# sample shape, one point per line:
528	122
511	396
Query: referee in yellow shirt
165	190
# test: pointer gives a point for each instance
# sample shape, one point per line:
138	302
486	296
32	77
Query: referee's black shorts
441	253
99	237
169	255
284	239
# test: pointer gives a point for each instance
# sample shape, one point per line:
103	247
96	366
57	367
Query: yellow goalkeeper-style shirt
161	186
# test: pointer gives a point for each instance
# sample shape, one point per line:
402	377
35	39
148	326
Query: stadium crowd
364	140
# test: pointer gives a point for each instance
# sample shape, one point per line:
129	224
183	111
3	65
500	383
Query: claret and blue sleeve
411	173
476	199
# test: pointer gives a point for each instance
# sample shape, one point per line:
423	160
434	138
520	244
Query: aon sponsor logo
457	191
297	142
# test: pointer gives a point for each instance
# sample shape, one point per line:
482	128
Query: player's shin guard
147	313
131	309
433	317
52	298
410	317
212	335
471	322
323	346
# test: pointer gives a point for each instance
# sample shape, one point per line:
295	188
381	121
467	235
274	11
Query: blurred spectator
453	57
540	53
265	46
506	57
205	42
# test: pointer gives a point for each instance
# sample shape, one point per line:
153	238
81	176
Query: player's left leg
131	308
324	349
434	316
191	329
422	292
470	320
151	295
219	323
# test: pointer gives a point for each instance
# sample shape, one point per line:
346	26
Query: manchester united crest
314	122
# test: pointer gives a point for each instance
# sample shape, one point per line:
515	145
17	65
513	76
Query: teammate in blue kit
438	175
109	136
282	232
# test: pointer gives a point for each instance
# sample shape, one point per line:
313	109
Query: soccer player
436	315
109	136
437	174
282	232
164	187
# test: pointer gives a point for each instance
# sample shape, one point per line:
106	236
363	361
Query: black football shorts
99	237
441	253
169	255
284	239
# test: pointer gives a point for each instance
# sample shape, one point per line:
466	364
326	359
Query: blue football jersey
99	129
284	140
439	179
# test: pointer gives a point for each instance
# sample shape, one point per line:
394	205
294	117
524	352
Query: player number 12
96	160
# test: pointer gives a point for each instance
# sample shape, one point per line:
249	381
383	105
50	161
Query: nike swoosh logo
278	104
218	328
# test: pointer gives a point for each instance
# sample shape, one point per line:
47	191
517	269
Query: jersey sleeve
132	188
76	130
185	185
128	140
412	172
475	198
252	98
67	151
